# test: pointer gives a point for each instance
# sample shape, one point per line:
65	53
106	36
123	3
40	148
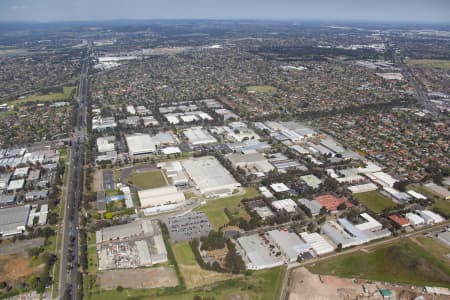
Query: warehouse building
288	205
331	203
289	243
160	196
343	232
105	144
16	185
416	195
440	190
414	219
311	181
279	187
140	145
264	212
249	146
362	188
430	217
265	192
164	139
21	172
254	163
370	223
382	179
199	136
174	171
317	242
7	200
210	177
258	254
444	237
313	206
4	181
13	220
400	221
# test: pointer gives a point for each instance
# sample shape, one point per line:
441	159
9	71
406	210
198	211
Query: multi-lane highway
68	278
421	96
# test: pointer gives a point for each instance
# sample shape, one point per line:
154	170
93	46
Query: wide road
74	192
421	96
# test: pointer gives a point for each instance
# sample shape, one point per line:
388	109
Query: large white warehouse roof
140	143
209	175
160	196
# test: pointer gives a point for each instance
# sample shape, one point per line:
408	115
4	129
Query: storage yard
132	245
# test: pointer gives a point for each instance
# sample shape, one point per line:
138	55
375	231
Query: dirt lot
138	278
305	285
19	247
194	276
98	180
14	268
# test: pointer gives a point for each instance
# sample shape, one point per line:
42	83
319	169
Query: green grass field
430	63
403	262
214	209
259	285
374	201
436	248
67	91
265	89
148	180
183	254
442	206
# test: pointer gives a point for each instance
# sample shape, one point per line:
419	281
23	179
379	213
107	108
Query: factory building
258	254
289	243
13	220
140	145
317	243
210	177
199	136
160	196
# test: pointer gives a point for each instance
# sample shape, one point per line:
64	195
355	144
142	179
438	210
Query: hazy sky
378	10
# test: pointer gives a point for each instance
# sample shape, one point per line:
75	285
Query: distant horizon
280	20
397	11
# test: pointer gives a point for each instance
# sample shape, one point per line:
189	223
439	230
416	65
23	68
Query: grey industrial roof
134	229
209	175
313	205
13	220
7	199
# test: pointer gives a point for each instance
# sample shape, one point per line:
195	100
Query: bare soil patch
14	268
138	278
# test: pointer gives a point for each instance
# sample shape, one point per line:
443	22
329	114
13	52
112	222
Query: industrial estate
211	160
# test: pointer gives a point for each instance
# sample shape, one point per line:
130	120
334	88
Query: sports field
67	91
147	180
405	261
374	201
264	89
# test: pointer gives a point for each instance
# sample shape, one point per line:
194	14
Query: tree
341	206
